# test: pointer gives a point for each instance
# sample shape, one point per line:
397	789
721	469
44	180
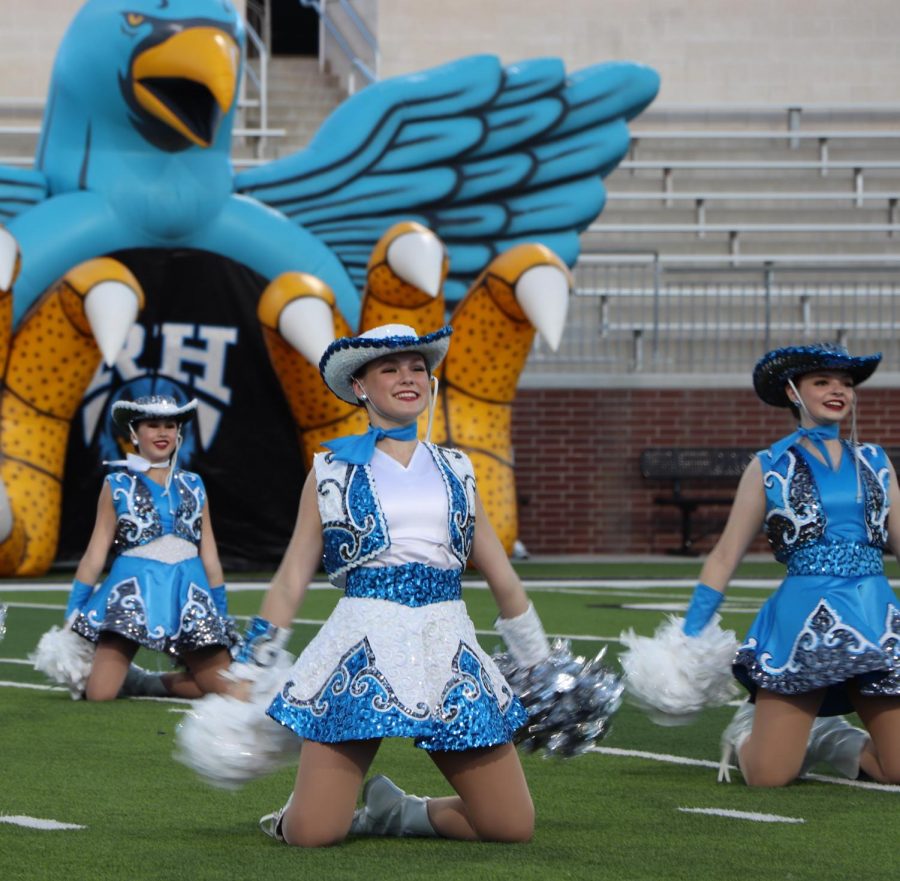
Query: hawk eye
134	19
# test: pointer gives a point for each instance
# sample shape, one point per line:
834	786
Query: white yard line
706	763
742	815
37	823
562	585
318	622
34	686
682	607
49	607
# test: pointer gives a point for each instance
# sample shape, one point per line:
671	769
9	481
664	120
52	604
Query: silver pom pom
570	700
2	621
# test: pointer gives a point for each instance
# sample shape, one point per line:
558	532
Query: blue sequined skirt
379	668
821	632
166	607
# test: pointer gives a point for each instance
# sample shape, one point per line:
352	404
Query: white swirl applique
189	518
358	676
353	524
459	482
825	651
137	518
126	613
876	480
796	515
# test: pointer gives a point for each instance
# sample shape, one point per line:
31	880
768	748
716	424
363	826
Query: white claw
9	251
418	257
6	520
543	294
111	308
307	323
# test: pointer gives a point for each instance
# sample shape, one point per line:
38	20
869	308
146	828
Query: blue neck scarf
817	436
357	449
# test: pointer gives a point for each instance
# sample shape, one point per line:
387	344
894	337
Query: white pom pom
672	677
65	658
229	741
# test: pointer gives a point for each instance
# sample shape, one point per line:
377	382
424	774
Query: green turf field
633	810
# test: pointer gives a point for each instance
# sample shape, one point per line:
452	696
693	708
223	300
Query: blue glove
78	596
704	603
263	642
221	601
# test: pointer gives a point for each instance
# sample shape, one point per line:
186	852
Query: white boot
388	810
836	742
271	823
733	738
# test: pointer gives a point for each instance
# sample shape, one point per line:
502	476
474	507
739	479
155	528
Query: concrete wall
29	37
706	50
28	40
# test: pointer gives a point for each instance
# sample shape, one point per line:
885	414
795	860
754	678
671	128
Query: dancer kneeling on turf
826	641
155	518
395	522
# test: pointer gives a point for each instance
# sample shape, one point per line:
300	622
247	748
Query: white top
415	506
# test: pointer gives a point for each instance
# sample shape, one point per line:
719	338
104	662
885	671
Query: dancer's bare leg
111	661
205	667
493	801
325	791
773	753
880	758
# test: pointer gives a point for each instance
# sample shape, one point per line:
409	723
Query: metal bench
679	464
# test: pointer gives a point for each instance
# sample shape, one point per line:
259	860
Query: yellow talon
492	337
298	317
52	358
404	280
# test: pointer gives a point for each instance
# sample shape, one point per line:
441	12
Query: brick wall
577	450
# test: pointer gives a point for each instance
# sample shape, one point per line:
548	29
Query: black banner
197	337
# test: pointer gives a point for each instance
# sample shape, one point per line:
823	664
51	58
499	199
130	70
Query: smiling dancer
828	640
395	521
155	518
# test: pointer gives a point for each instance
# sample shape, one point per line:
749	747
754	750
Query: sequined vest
796	517
354	529
138	521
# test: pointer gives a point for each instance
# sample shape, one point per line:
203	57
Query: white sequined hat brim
346	356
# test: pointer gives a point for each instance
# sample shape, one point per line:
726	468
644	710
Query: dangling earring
798	403
432	401
854	447
172	462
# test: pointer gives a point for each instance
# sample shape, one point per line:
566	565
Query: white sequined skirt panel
381	669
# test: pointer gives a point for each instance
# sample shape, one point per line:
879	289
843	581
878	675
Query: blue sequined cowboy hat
775	368
347	356
125	413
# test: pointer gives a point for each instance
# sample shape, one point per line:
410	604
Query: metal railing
256	78
349	33
793	198
789	117
641	315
